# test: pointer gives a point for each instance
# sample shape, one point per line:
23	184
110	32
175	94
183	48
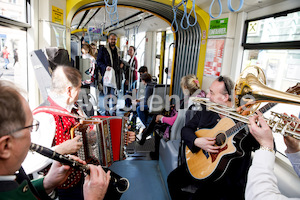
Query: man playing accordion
57	116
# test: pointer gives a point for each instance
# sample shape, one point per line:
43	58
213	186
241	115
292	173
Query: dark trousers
230	187
157	128
76	192
111	92
71	193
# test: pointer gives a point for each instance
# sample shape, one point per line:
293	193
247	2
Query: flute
121	184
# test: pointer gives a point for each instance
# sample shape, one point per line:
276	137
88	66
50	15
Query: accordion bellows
103	138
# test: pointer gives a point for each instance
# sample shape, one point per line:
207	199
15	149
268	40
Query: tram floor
144	177
143	173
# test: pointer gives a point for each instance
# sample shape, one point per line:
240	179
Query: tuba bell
250	91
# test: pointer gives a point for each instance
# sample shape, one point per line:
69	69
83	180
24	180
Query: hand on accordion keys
130	136
69	146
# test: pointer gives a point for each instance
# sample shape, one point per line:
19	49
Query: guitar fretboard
267	107
240	125
235	129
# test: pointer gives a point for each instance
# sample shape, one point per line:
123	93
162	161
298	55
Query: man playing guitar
232	184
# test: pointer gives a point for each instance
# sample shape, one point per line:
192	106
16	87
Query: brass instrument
250	91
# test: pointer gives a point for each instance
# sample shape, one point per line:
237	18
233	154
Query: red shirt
5	53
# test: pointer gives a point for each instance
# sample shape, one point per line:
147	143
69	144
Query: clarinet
121	184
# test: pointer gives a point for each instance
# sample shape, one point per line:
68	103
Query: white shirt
92	59
295	160
34	162
262	182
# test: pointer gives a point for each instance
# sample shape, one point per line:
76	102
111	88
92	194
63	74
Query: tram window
274	29
272	43
168	56
158	48
15	42
16	11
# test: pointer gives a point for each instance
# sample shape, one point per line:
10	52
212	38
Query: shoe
114	114
107	113
154	155
127	110
141	141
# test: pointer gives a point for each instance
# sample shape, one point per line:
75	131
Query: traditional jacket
64	122
10	189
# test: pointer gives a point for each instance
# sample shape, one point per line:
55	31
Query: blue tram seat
158	98
169	151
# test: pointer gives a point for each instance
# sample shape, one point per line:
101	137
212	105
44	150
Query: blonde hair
87	47
190	82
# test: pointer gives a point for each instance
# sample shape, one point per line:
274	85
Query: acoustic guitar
228	134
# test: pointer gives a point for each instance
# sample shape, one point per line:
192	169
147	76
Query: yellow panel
57	15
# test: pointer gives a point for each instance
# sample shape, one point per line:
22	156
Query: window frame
286	45
5	21
274	45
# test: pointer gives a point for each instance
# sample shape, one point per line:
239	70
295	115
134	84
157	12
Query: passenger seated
233	182
142	107
190	87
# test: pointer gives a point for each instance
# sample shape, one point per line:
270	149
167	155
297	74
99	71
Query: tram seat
141	91
168	150
169	158
156	105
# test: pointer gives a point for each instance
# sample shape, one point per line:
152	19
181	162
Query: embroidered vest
64	122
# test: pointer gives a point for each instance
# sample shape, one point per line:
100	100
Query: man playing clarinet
16	126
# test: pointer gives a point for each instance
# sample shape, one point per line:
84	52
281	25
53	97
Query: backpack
1	54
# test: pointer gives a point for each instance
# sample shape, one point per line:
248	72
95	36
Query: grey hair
64	76
12	113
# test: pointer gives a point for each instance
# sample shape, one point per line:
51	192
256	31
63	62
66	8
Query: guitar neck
240	125
267	107
236	128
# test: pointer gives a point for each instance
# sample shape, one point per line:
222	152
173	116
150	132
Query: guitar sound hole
220	139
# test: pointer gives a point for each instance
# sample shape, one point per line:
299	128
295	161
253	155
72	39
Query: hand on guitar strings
207	144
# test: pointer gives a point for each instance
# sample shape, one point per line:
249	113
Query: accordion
103	138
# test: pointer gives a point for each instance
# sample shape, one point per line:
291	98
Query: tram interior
168	54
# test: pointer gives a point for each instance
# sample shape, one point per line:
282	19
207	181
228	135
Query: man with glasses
16	124
232	184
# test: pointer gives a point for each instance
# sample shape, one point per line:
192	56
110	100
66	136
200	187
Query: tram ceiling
92	14
128	18
131	13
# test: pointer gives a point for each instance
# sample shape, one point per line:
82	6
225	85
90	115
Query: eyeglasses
33	128
221	78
